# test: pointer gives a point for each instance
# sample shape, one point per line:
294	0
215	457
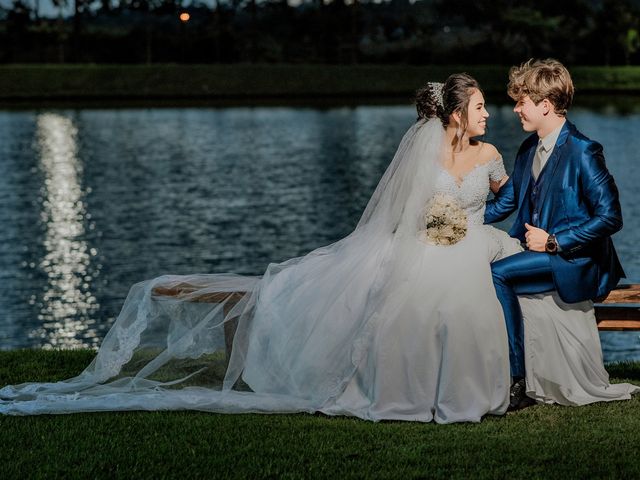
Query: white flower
445	221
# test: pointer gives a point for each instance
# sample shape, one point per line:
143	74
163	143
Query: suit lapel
526	175
553	162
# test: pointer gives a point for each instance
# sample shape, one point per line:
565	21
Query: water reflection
67	304
209	190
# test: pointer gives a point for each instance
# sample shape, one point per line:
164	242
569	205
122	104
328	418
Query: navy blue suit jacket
578	203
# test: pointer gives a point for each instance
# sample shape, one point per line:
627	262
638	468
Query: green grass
218	82
596	441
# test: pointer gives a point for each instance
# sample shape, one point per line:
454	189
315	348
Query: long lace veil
287	341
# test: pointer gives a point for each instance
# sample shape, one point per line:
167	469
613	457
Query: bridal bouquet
445	221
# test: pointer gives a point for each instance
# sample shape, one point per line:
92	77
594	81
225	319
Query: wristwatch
552	245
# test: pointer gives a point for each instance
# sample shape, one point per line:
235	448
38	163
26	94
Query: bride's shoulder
488	153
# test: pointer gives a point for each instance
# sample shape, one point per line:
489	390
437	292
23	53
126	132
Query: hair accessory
436	90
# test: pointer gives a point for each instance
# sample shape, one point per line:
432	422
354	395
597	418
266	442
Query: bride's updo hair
441	100
453	96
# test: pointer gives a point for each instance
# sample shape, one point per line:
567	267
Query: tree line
603	32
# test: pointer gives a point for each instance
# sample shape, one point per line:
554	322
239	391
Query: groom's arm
600	194
502	205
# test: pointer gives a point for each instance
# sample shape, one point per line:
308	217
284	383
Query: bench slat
624	294
619	311
618	325
184	290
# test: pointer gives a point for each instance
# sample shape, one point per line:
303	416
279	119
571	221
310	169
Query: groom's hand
536	238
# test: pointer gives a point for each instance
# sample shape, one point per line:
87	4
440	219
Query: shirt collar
549	141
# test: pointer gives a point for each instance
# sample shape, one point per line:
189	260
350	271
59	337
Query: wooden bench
619	311
185	290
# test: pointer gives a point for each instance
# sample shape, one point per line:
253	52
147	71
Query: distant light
184	17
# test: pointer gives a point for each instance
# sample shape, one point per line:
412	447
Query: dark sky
48	10
46	7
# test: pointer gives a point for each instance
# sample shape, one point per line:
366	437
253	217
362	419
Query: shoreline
263	83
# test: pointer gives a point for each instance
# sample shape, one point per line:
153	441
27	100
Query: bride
398	320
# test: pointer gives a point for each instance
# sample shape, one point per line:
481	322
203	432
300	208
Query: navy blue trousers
525	273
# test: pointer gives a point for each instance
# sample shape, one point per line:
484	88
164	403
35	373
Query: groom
567	203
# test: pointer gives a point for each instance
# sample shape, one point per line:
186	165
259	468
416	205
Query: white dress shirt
545	148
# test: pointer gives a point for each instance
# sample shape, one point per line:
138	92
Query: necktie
537	161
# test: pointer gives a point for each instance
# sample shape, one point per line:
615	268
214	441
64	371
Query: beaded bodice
472	191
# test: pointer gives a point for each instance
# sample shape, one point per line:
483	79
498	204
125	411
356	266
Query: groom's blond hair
540	79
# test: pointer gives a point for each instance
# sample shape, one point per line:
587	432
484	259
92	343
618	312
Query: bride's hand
536	238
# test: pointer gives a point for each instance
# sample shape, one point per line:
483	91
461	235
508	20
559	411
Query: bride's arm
501	185
497	173
497	185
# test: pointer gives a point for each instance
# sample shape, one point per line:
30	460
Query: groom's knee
499	273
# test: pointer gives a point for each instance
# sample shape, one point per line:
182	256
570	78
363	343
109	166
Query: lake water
94	200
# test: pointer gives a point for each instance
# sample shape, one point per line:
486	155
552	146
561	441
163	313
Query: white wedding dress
439	349
563	356
378	325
